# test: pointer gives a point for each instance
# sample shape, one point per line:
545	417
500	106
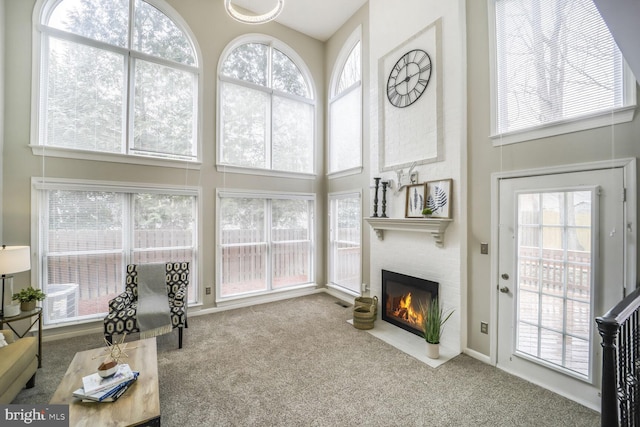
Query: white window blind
345	112
89	232
266	109
265	242
555	61
117	77
344	240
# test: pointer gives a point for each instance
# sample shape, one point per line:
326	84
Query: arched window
116	77
266	107
345	109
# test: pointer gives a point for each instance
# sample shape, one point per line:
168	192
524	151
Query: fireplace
402	297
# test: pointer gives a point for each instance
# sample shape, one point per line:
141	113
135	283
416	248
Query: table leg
40	340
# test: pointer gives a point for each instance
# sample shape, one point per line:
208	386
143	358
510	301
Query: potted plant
426	212
433	319
28	297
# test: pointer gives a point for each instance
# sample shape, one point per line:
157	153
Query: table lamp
13	259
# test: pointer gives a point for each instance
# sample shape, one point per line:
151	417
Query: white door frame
630	215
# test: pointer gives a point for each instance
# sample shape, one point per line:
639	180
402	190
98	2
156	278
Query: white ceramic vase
433	351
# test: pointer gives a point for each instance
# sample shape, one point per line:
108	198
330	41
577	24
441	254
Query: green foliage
86	86
427	211
433	319
29	294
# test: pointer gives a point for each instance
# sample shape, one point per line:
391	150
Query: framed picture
416	196
439	198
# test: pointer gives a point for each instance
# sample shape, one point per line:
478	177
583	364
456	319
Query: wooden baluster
608	329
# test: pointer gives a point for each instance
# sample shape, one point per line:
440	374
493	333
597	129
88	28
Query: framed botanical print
438	198
416	196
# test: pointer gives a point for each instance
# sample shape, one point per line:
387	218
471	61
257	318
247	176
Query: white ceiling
316	18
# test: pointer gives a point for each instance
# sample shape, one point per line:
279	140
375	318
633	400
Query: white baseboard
477	355
51	336
251	301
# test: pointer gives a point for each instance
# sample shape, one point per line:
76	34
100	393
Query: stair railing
620	393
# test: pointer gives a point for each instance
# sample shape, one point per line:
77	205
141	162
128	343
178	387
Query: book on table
94	382
108	395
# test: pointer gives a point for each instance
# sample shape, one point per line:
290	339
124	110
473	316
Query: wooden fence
244	260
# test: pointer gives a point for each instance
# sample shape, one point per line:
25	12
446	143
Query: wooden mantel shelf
435	226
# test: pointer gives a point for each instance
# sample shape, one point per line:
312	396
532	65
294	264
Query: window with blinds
555	62
88	233
116	78
345	109
345	235
265	242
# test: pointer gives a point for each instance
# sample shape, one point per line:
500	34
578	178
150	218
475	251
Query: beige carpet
299	363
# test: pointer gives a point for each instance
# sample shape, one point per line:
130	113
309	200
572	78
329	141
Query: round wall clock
409	78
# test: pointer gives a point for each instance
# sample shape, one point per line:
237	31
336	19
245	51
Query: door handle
504	290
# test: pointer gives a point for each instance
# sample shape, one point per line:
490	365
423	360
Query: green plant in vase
28	298
434	317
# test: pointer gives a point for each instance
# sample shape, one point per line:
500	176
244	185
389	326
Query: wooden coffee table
139	405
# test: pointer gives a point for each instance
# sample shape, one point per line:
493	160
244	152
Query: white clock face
409	78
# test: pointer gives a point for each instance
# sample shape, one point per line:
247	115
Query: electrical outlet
207	291
484	327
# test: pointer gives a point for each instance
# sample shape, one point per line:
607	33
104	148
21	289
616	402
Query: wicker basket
363	317
367	302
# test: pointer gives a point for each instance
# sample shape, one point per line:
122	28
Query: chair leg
32	381
179	336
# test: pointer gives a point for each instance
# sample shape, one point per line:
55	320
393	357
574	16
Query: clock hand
405	80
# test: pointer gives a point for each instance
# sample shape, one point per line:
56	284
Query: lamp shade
14	259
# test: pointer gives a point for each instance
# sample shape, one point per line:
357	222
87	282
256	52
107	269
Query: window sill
608	118
347	172
434	226
68	153
264	172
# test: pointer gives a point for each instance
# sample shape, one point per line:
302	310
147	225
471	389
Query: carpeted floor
299	363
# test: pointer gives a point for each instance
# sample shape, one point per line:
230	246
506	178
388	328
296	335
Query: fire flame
406	312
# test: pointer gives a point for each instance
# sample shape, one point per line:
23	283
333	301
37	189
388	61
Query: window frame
39	215
590	121
39	69
332	96
272	42
331	199
268	196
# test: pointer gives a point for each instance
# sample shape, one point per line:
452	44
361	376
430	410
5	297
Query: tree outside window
267	111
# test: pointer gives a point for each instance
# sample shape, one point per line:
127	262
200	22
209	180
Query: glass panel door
554	277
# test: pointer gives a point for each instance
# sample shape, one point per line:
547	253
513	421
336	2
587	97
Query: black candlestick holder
375	198
384	199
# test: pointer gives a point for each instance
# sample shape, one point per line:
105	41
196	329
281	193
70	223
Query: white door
561	264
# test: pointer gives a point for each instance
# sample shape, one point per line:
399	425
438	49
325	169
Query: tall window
265	242
89	233
556	63
117	77
344	241
345	110
266	108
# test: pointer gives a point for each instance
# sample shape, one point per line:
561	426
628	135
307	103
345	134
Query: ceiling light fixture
253	19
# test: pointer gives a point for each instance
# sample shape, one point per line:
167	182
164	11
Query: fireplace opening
402	297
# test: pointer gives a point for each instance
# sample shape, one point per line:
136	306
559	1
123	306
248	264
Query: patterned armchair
122	309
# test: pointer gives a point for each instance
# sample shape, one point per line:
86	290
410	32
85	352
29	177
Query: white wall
2	27
415	254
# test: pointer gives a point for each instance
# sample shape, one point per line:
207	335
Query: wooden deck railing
620	393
